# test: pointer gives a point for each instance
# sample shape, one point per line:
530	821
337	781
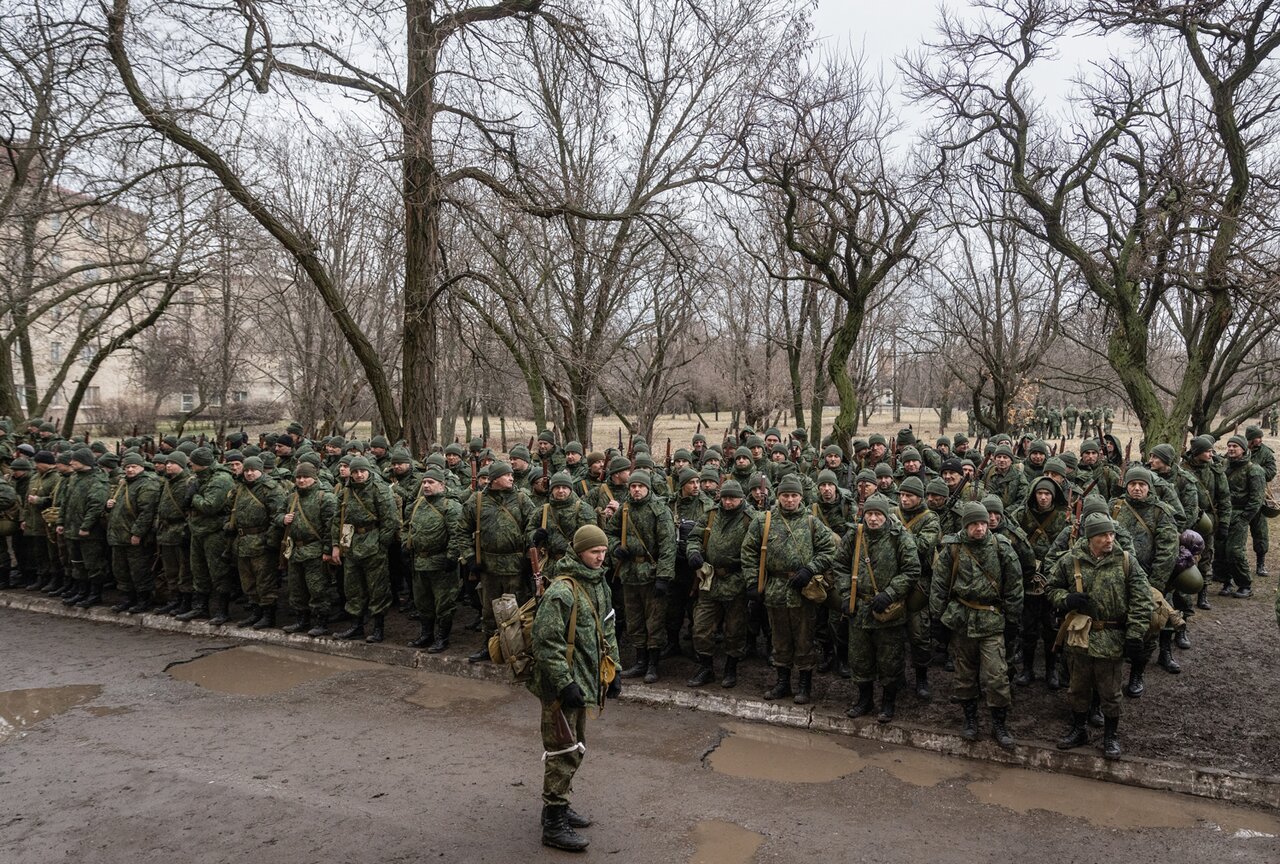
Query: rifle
982	466
535	561
620	451
1062	445
698	431
668	465
546	472
1078	508
893	454
282	562
475	471
1053	451
631	447
1128	448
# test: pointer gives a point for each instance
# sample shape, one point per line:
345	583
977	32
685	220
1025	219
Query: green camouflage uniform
1248	488
1265	459
255	512
210	571
134	515
926	529
370	508
172	539
309	536
435	538
651	541
718	539
887	562
506	521
83	509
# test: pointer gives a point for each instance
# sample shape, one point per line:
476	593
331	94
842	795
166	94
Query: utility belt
249	532
973	604
1095	624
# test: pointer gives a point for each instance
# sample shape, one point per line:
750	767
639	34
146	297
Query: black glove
802	578
622	553
880	602
941	633
190	496
1220	539
753	591
683	527
571	697
1077	602
661	587
539	535
476	568
615	688
1133	649
695	561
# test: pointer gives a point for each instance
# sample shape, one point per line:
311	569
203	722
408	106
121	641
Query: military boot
1226	590
301	623
52	583
651	671
638	668
865	704
1180	638
425	635
1052	670
74	594
557	832
1094	717
999	729
318	627
1110	746
969	731
268	619
143	604
804	690
376	635
1165	661
481	654
355	631
220	610
782	686
252	613
184	604
730	678
828	661
842	655
888	702
199	608
1028	673
130	597
923	693
175	602
1136	686
441	641
706	671
1243	592
1202	599
33	581
93	598
1077	734
1261	570
576	819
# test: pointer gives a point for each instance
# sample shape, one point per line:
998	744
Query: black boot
251	614
128	600
268	619
481	654
923	693
220	610
356	630
706	671
1165	660
143	605
1095	712
864	705
888	701
75	593
1027	674
730	678
33	582
1262	572
804	691
828	661
184	604
93	598
442	636
301	624
651	671
1226	590
969	731
1202	599
376	635
948	662
1052	670
576	819
782	687
1136	686
174	604
1110	746
638	668
426	635
999	729
1181	640
557	832
1243	592
1077	734
52	584
319	626
199	608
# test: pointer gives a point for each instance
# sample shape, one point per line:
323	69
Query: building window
86	354
55	352
239	395
91	395
186	402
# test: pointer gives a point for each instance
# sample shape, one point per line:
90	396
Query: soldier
1006	480
689	509
833	461
884	481
1273	421
709	482
1213	495
975	603
1154	528
366	525
498	525
257	504
785	548
838	511
716	543
34	527
568	676
434	541
1043	516
926	530
642	542
1098	579
208	499
306	524
546	450
960	491
875	567
1248	489
1262	456
608	496
1093	467
81	524
1070	414
131	519
173	542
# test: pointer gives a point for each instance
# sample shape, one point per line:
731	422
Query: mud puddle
20	709
261	670
438	692
717	842
782	755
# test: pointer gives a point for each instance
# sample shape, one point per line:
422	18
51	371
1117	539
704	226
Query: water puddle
445	691
108	710
918	767
261	670
1111	805
783	755
22	708
716	842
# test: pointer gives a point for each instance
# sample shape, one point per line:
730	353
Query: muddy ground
133	745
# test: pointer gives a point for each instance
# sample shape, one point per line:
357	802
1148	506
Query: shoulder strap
706	532
857	565
764	551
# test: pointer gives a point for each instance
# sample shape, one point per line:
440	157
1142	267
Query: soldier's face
778	457
993	520
502	482
936	501
1003	462
360	475
1255	443
908	500
561	493
911	466
875	519
742	462
621	478
452	460
130	471
689	489
1234	451
519	464
235	468
1102	544
877	450
344	471
951	478
1137	490
770	440
884	482
699	447
172	469
431	486
757	452
1044	499
789	500
1158	465
866	490
828	492
833	461
638	491
572	458
976	530
378	452
731	503
1056	477
252	475
593	557
1037	458
1088	458
544	447
710	487
304	482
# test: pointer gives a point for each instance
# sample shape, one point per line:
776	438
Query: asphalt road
115	746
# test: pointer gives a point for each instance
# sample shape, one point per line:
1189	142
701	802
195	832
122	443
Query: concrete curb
1238	787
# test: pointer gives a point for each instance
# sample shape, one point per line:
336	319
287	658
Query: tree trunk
846	422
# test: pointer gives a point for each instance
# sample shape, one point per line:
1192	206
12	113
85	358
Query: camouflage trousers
646	616
210	571
983	658
493	586
309	588
367	584
877	653
920	638
1237	565
1094	674
88	558
131	566
558	770
258	578
175	571
708	615
435	595
794	634
1261	537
